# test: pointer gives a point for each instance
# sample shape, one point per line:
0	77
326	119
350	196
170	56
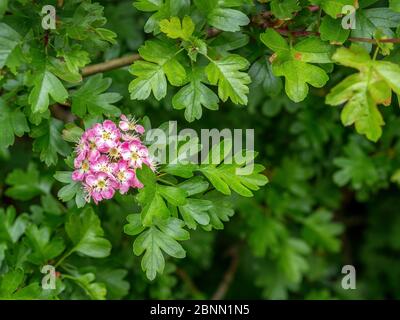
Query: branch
228	276
189	283
110	65
303	33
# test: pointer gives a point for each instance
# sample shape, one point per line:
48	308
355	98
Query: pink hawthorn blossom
107	157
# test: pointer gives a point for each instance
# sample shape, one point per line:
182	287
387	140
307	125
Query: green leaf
332	30
49	142
284	9
221	210
294	63
9	39
90	98
292	260
161	63
11	287
95	290
11	226
12	123
75	59
356	167
195	95
334	7
46	84
232	83
3	7
195	211
84	229
236	173
148	5
151	197
362	92
227	19
157	239
43	246
394	5
174	29
262	75
25	185
370	20
319	230
117	287
71	190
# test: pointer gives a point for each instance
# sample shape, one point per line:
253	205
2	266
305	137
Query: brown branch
228	276
303	33
110	65
189	282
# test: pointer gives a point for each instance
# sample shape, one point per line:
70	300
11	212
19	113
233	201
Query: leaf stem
65	256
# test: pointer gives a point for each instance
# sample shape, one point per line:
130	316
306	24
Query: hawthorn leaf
25	185
195	95
321	231
9	39
46	84
195	211
292	259
91	98
232	82
363	91
11	226
87	235
156	239
174	29
262	75
236	173
152	197
332	30
355	167
227	19
294	63
95	290
334	7
12	123
284	9
73	189
160	63
44	247
11	287
49	142
394	5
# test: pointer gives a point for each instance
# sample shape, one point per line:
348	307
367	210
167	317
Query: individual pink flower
103	164
134	153
130	137
107	135
125	176
100	186
82	149
127	124
151	163
82	169
93	153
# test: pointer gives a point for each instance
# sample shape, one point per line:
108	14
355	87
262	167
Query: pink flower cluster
107	157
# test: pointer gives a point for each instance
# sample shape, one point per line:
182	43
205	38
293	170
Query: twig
228	276
303	33
110	65
189	282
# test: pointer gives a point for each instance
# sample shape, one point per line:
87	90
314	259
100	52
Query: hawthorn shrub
87	212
